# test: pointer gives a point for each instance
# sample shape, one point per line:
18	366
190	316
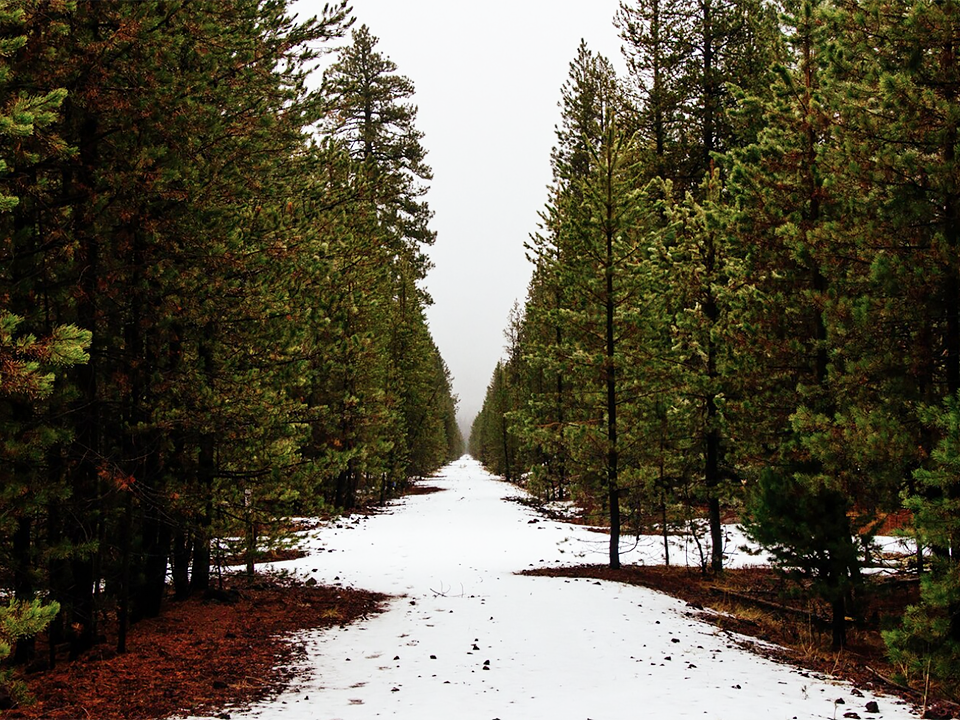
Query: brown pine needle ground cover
199	656
757	603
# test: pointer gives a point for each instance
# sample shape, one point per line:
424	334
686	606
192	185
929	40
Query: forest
212	240
745	299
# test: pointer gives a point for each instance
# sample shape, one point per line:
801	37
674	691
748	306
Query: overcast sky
488	77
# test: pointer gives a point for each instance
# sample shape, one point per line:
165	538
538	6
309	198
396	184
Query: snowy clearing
466	638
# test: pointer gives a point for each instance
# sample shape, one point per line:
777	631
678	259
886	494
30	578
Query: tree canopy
210	309
772	330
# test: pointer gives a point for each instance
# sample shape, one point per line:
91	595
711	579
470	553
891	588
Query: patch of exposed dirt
579	518
267	556
418	489
758	603
199	656
374	507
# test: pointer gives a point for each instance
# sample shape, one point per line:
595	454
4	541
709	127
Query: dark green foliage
928	642
789	325
405	392
491	439
805	528
20	621
258	343
27	363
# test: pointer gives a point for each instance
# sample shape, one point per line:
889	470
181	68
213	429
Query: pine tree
491	438
653	34
600	235
897	68
544	405
148	180
370	112
784	210
27	363
685	56
927	644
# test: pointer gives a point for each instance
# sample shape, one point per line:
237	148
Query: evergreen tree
27	363
682	56
599	239
654	35
927	644
544	405
786	204
684	59
371	113
257	329
147	181
491	439
897	144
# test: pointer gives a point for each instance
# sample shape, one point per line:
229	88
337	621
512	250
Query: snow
557	648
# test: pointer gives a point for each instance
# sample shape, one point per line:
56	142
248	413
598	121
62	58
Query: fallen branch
914	693
770	605
443	593
887	681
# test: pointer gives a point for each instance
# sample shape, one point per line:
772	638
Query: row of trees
210	312
746	291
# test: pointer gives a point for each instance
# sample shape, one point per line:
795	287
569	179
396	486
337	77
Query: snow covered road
466	638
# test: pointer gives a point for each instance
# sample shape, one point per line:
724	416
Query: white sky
488	77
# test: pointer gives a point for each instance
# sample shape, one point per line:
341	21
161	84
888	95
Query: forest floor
199	656
211	658
202	654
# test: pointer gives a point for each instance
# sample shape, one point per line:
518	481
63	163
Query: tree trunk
200	575
83	617
56	567
561	418
23	582
613	450
663	509
156	545
181	564
711	473
951	231
206	471
87	448
251	532
838	624
123	601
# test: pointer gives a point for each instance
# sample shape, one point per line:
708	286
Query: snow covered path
466	638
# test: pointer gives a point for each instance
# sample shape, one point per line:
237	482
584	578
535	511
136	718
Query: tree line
746	294
211	312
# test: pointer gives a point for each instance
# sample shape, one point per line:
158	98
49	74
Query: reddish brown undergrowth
418	489
199	656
